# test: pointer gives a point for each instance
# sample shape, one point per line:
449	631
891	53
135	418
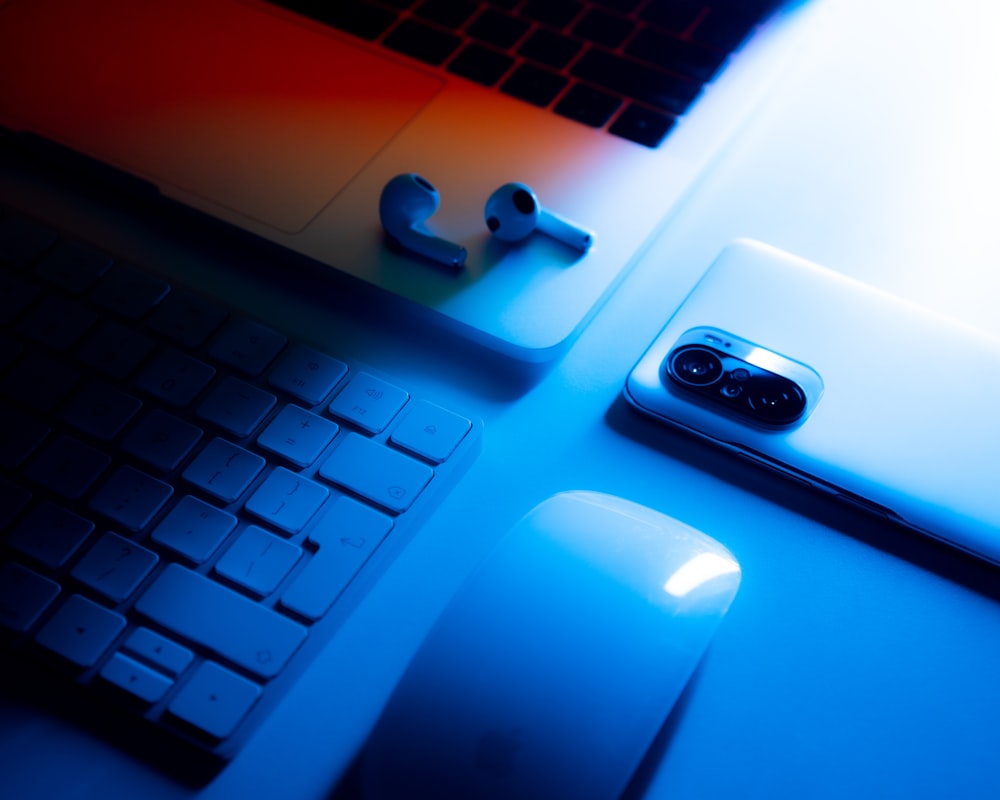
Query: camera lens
776	400
695	366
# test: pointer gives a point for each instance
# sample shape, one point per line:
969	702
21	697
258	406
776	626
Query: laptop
287	119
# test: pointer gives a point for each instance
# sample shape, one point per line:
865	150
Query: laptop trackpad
240	105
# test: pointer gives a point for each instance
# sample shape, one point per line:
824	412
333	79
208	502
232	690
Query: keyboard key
16	294
659	89
422	42
369	402
57	322
430	431
307	374
588	105
115	567
166	655
20	436
68	467
676	55
128	292
23	241
215	700
346	536
161	440
175	377
81	631
549	48
351	16
224	470
258	561
194	529
250	635
481	64
50	534
534	85
115	350
73	267
236	406
497	29
248	346
287	500
13	499
451	14
298	435
39	382
386	477
603	28
554	13
130	498
187	318
100	411
642	125
24	596
137	679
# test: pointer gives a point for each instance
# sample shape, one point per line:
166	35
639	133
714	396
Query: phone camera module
741	388
695	366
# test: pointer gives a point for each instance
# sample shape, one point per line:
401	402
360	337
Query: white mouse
556	663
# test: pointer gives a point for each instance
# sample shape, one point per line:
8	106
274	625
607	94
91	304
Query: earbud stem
565	231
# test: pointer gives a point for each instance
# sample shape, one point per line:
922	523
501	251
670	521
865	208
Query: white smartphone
858	393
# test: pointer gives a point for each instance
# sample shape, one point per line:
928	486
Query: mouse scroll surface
554	666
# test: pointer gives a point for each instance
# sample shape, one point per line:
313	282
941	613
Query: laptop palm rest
247	111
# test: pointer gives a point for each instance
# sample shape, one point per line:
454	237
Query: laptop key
422	42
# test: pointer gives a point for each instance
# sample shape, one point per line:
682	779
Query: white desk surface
858	660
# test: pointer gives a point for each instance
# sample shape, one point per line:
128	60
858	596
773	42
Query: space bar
209	614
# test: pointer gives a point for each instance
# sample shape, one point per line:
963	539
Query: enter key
345	538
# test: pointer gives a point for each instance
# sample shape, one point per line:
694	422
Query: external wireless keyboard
187	496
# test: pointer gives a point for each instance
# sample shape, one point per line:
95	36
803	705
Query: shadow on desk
893	539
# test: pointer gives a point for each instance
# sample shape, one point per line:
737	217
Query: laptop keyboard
631	67
191	502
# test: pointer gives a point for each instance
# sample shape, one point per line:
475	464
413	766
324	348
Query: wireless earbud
407	201
513	213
